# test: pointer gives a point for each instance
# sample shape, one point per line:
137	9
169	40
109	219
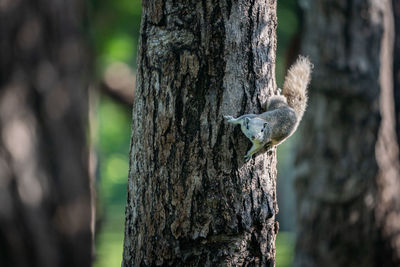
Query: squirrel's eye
262	130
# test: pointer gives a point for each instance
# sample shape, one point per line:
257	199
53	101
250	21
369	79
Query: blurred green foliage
114	134
113	147
285	249
115	31
288	26
110	237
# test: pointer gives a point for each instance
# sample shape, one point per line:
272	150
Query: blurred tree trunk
44	185
396	64
348	184
192	201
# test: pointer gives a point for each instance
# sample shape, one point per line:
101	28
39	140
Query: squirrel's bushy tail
295	85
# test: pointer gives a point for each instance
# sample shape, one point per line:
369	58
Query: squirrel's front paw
229	118
247	158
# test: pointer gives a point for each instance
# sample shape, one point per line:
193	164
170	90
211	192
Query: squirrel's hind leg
254	149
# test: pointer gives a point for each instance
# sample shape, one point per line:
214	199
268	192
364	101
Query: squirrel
284	112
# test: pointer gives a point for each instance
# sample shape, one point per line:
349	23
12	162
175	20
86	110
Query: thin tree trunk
192	200
348	185
44	185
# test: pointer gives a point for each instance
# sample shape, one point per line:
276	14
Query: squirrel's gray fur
283	114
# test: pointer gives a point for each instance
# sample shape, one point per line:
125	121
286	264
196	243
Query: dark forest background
67	83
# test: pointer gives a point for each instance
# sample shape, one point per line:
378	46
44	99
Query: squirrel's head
256	129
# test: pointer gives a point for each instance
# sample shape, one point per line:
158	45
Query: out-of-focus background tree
45	205
348	187
115	31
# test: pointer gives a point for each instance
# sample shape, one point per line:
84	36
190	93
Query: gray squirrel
284	112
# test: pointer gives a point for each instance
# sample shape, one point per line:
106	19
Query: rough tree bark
192	201
44	185
348	185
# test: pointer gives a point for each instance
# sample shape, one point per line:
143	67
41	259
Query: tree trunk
44	185
396	65
348	184
192	200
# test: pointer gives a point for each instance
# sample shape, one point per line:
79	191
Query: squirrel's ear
265	124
